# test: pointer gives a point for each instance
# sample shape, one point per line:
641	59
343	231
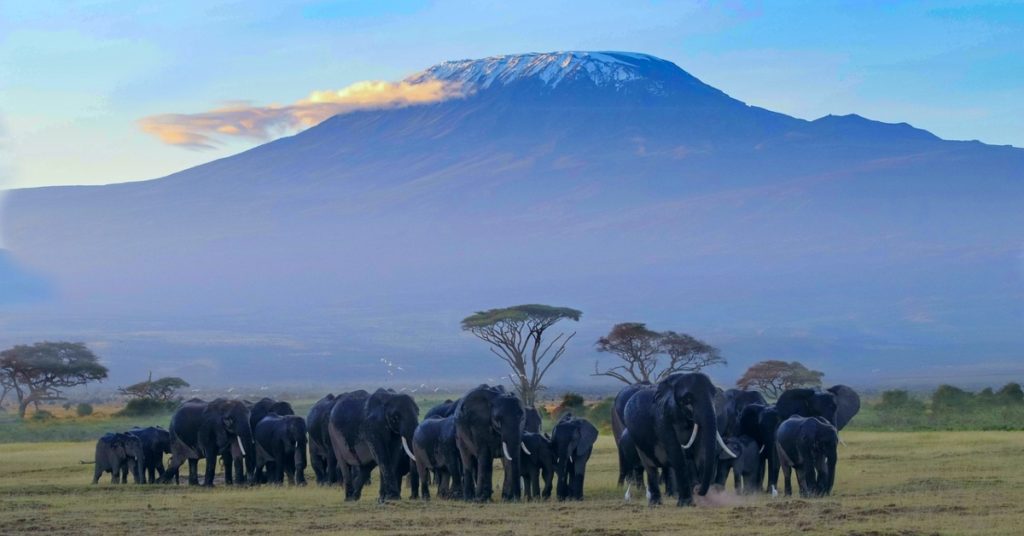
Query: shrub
1011	393
951	399
42	415
84	409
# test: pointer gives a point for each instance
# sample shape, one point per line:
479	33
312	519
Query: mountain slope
616	183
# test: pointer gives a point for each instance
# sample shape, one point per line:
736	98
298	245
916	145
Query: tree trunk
22	408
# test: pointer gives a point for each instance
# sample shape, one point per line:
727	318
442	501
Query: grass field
888	483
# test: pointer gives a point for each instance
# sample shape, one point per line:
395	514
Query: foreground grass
888	483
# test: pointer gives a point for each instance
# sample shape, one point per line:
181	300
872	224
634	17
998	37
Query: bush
951	399
42	415
84	409
147	406
1011	393
600	414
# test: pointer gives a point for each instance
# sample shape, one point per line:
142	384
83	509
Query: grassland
888	483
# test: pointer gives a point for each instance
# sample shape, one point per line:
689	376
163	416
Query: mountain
615	183
17	285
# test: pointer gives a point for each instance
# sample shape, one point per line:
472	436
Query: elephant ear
587	436
847	402
664	395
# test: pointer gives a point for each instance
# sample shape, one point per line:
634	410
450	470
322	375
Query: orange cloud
202	130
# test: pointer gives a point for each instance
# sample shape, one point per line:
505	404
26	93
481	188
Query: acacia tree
516	335
774	377
640	349
162	390
42	371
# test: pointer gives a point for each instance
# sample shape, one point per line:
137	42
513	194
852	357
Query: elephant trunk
831	477
704	414
511	442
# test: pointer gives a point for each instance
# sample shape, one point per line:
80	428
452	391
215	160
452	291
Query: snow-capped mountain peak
552	69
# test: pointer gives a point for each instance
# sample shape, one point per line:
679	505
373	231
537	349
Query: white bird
436	389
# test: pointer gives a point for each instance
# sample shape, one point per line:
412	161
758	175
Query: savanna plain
901	483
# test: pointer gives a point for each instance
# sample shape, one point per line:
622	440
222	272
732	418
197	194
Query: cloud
242	120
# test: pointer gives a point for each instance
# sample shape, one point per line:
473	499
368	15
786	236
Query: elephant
807	403
847	402
434	446
321	453
627	469
745	467
532	420
675	429
732	403
257	411
375	430
156	442
574	440
540	463
489	424
281	448
444	409
206	429
809	445
117	453
759	422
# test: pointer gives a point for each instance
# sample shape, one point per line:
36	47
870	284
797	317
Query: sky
82	84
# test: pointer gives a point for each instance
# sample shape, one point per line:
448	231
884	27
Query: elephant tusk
405	445
240	447
721	443
760	450
841	442
504	450
525	450
693	437
629	496
775	492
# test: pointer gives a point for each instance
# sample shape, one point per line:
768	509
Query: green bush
84	409
147	406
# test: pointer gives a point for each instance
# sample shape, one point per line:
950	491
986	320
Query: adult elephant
733	402
321	453
489	424
574	440
370	431
444	409
265	406
759	422
810	446
156	442
807	403
434	446
532	420
627	466
281	448
118	454
206	429
746	467
847	404
674	428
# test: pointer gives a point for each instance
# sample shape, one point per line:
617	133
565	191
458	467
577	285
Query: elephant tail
83	462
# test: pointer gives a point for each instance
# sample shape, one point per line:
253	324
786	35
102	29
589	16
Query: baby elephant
746	467
539	463
809	445
116	454
281	448
574	441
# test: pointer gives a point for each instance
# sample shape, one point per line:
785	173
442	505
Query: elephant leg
577	483
229	468
484	476
319	473
424	475
805	479
125	467
787	472
549	473
193	471
211	469
468	474
97	473
346	480
773	469
653	493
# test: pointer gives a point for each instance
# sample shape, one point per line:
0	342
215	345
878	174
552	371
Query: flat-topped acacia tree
516	336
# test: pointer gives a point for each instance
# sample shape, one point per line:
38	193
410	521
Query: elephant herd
346	436
686	434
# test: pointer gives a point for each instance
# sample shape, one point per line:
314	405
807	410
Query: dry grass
888	483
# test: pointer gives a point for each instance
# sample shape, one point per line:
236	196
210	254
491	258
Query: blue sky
76	78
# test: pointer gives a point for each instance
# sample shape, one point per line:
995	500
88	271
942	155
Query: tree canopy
161	390
773	377
641	351
42	371
516	335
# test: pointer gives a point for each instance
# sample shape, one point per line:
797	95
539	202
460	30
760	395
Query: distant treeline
947	408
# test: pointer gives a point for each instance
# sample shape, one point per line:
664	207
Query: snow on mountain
552	69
